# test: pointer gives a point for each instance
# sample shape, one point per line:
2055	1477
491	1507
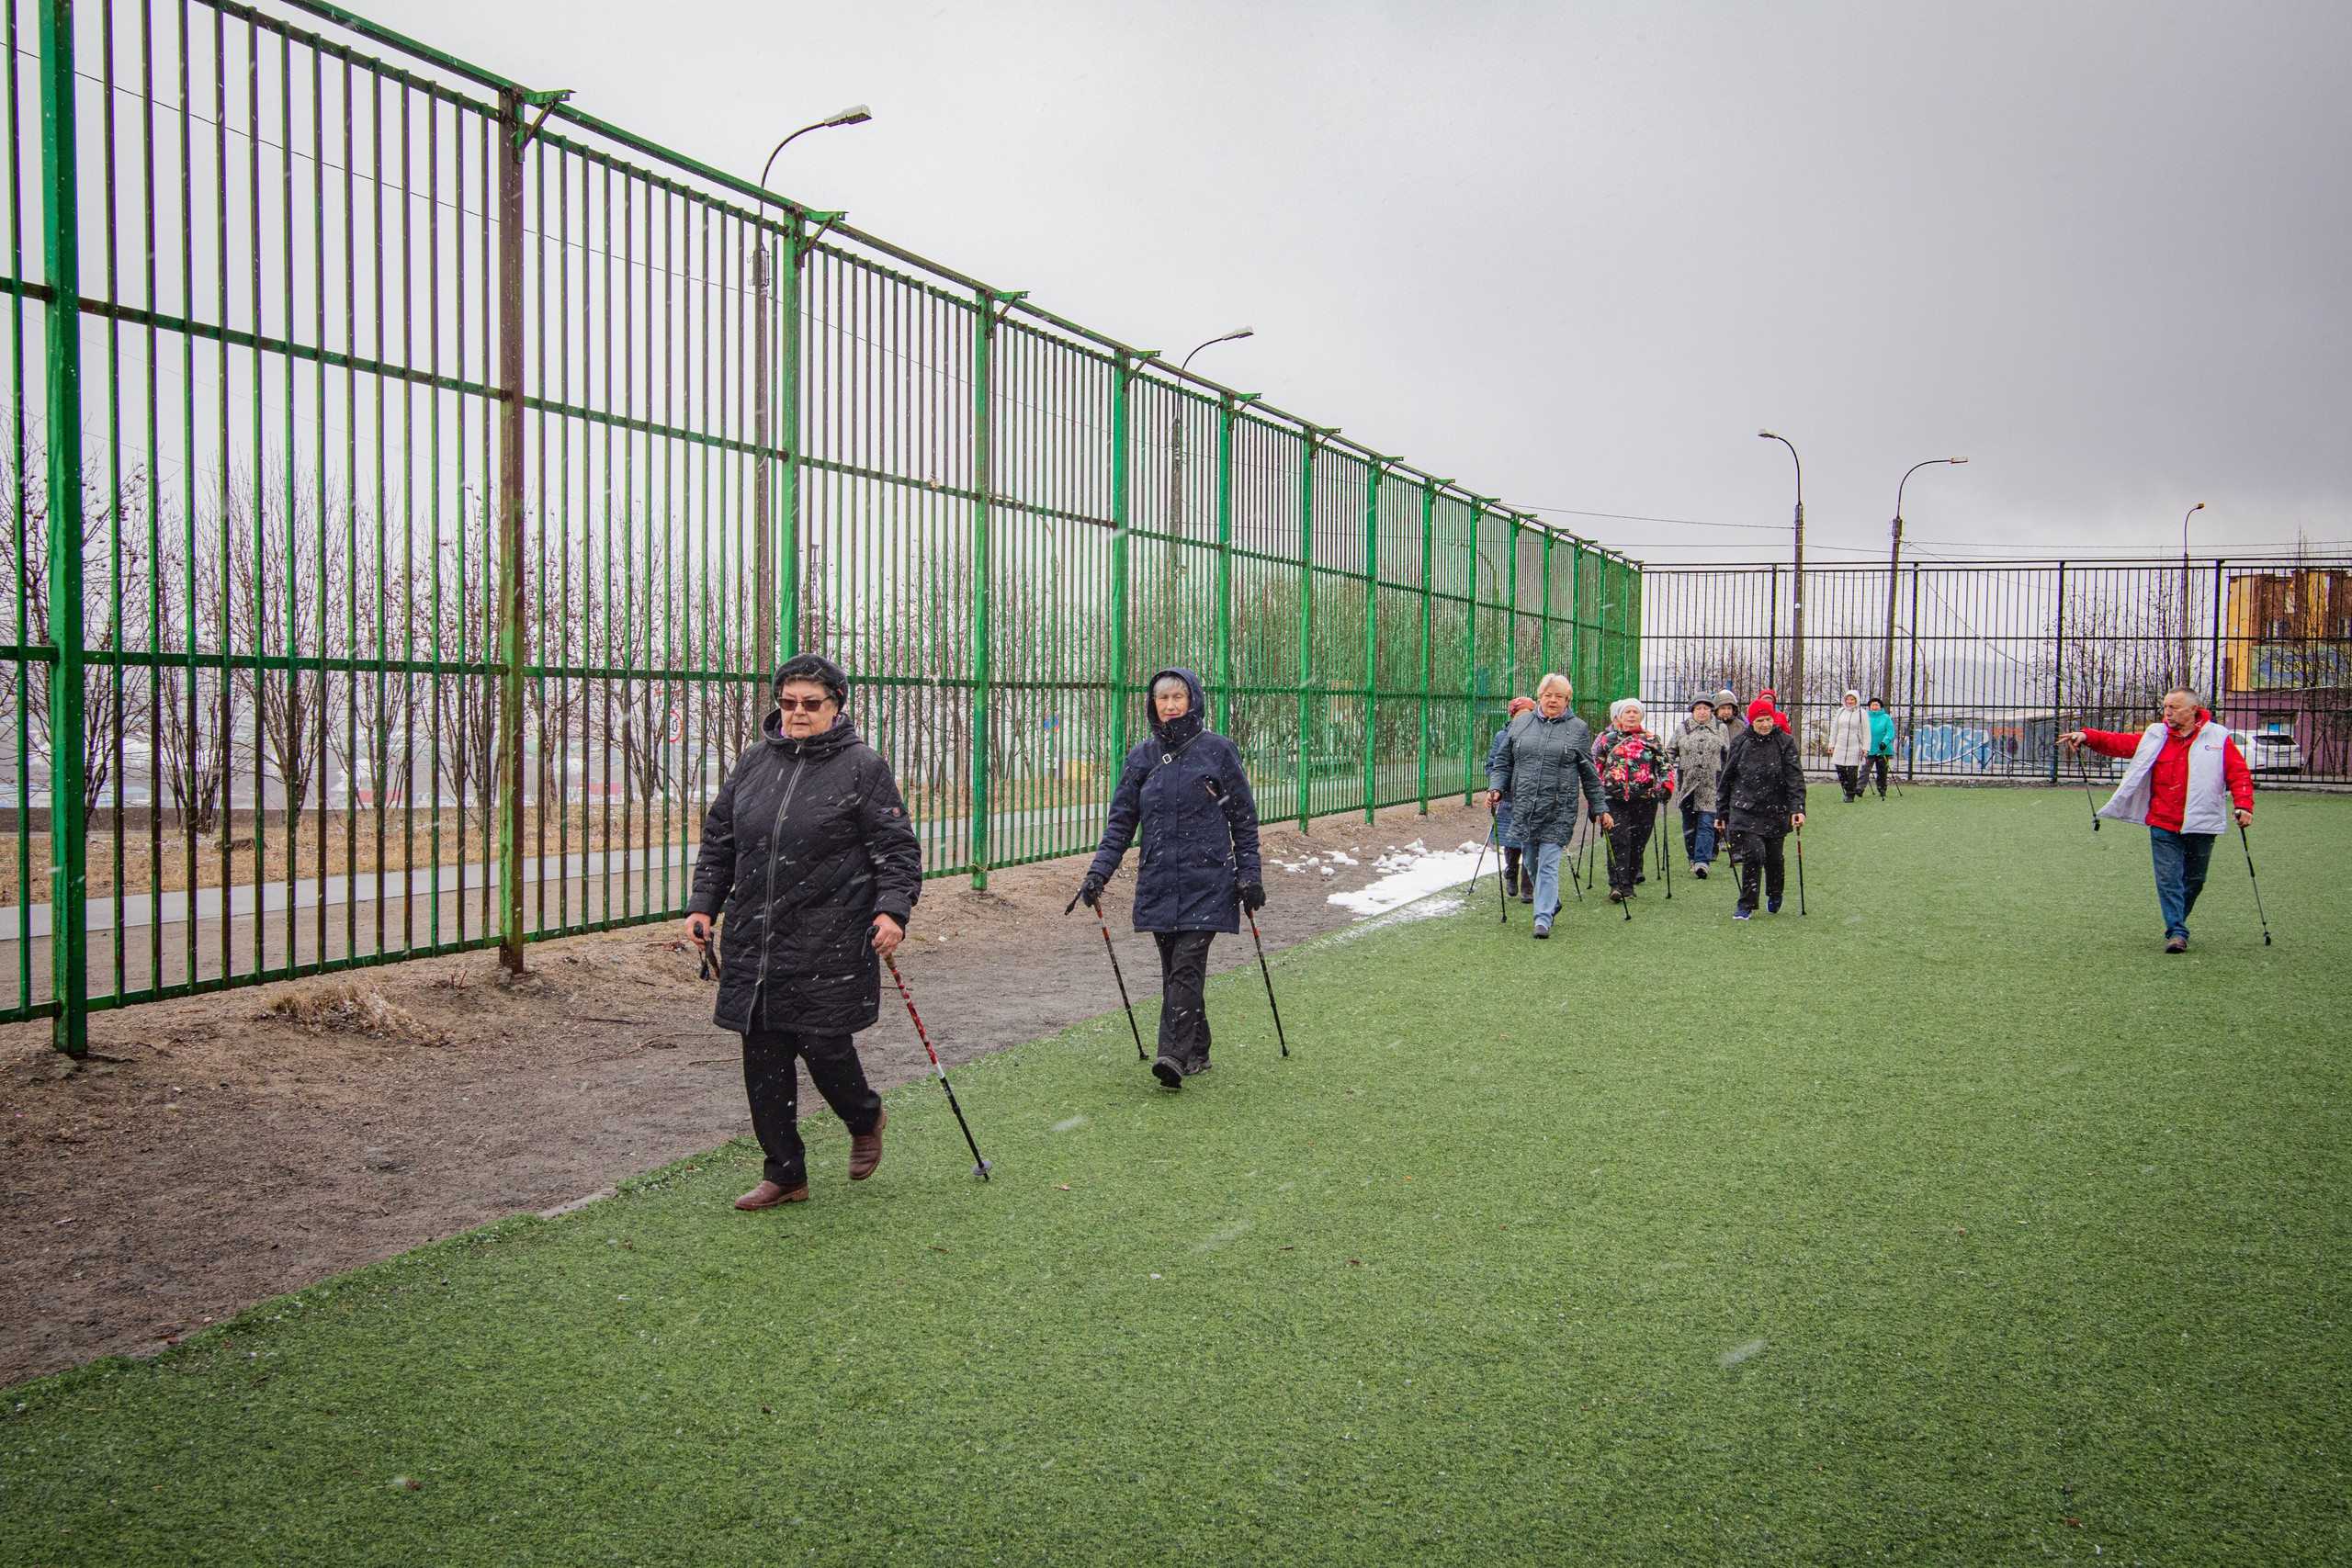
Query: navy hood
1175	732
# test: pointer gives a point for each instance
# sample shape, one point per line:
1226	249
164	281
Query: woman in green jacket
1881	745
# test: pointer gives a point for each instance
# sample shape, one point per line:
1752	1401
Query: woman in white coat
1849	744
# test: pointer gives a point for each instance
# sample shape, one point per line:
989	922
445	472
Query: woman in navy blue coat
1185	791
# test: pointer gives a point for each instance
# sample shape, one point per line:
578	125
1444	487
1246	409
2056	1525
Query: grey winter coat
807	842
1539	765
1184	791
1698	755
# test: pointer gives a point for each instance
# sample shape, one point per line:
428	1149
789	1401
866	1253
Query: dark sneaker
1542	930
1644	876
1170	1072
2176	944
1700	871
1527	890
1511	885
1773	908
1199	1064
1742	914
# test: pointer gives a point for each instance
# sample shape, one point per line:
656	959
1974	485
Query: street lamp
1795	692
2183	590
1176	433
763	544
1894	568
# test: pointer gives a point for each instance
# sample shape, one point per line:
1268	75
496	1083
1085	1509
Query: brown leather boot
767	1195
866	1150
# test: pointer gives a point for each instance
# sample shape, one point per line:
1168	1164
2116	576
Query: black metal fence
1984	664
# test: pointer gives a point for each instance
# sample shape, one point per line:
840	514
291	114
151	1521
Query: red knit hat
1761	707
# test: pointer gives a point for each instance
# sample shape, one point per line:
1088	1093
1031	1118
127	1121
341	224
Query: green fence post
1311	438
1122	519
983	588
788	545
69	877
1377	467
1510	619
1470	657
510	533
1429	510
1223	672
1543	626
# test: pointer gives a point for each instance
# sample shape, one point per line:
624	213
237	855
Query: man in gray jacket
1697	754
1541	762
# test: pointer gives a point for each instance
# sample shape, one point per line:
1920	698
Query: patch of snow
1424	910
1407	877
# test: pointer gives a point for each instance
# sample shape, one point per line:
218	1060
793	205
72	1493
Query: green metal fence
415	477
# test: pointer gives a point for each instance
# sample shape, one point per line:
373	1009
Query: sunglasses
802	704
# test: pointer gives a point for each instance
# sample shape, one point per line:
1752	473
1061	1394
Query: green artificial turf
1949	1224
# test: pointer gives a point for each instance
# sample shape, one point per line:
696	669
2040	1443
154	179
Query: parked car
2271	750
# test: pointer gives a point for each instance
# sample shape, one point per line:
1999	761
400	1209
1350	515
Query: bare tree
114	554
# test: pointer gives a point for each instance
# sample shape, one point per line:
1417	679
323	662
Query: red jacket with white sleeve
2168	784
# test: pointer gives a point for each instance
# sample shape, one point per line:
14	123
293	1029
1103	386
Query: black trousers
1760	857
1629	840
1878	762
1849	779
1183	1010
773	1082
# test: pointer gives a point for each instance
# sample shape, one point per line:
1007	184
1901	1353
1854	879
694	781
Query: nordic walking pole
1115	975
2257	885
1800	869
1480	864
1627	904
1502	893
980	1168
1269	976
1665	861
1573	854
2084	768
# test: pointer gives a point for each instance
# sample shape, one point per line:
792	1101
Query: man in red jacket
2185	775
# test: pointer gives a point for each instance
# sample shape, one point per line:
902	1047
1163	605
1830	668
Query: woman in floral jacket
1634	777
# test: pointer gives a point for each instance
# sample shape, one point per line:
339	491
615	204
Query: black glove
1090	892
1254	896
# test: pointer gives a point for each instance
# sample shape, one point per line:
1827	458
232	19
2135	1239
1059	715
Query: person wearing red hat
2185	776
1760	797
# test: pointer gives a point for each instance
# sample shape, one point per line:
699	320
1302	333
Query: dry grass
346	1006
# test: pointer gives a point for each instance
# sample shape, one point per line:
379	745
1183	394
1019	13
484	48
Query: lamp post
1795	692
2184	679
1893	569
762	534
1176	433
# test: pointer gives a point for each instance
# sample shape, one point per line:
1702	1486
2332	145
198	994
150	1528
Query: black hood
1180	731
842	734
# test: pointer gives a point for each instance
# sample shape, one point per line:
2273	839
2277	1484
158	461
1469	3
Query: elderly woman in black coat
1759	799
808	855
1185	790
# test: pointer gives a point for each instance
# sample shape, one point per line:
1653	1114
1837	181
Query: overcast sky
1576	255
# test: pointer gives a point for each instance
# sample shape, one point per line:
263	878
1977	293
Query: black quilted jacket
807	842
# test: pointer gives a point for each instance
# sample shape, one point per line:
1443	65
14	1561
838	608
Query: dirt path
211	1153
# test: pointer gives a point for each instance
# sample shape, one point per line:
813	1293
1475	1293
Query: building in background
2287	668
